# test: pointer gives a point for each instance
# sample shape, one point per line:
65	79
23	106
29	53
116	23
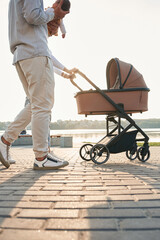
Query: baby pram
127	93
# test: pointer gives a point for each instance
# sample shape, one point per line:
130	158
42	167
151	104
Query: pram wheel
131	155
84	152
99	153
143	154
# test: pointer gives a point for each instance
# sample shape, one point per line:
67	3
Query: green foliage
147	123
83	124
89	124
151	144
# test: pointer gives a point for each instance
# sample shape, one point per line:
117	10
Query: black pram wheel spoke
86	149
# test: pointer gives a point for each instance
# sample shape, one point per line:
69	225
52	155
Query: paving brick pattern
117	200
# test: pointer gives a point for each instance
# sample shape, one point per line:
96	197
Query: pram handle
85	77
75	84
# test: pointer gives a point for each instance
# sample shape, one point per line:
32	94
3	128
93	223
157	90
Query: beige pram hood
122	75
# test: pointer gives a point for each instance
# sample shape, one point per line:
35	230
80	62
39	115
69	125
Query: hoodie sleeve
62	27
56	63
57	71
34	13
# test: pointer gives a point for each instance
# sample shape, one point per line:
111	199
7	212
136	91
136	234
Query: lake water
94	135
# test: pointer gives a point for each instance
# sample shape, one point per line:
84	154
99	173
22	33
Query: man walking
28	42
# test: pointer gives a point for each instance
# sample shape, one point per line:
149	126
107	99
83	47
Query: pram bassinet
126	87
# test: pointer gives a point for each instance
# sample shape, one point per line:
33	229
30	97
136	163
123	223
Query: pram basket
126	142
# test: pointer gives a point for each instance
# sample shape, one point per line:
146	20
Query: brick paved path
119	200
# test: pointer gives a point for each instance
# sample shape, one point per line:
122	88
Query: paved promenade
117	200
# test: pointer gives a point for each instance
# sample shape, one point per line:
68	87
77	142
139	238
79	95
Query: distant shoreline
92	124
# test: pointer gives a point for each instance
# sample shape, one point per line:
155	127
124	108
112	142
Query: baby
57	23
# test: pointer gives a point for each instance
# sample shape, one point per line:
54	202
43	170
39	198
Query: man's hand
73	70
59	13
68	76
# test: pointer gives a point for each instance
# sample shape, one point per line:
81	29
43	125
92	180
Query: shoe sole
50	168
6	164
12	163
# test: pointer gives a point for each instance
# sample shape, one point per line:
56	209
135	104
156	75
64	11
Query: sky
97	31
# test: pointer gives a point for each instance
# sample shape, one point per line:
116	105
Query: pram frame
120	113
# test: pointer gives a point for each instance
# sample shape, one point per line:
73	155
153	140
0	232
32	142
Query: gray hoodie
28	29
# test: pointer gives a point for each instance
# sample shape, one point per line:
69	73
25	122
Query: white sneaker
49	163
11	161
51	154
4	153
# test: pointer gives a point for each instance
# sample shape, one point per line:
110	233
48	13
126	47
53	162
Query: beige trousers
37	77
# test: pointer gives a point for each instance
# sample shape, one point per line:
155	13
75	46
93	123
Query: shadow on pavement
12	190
